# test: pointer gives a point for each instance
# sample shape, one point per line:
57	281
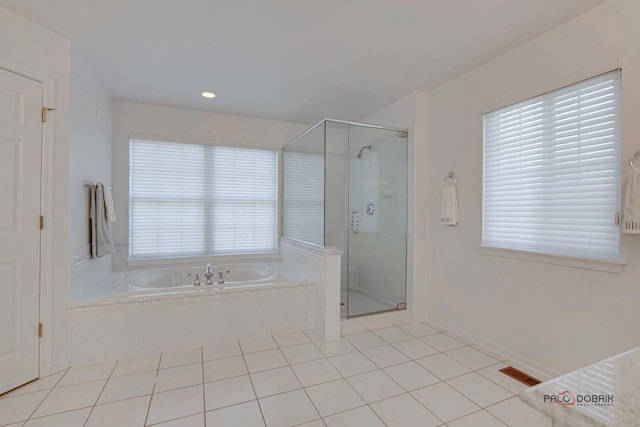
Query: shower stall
345	185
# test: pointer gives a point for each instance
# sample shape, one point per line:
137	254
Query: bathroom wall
410	113
33	51
181	125
553	318
89	159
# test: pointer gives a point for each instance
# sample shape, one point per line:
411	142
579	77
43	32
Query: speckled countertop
606	393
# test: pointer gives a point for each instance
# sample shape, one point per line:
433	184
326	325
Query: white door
20	166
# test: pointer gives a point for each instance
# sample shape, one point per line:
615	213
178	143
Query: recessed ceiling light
209	95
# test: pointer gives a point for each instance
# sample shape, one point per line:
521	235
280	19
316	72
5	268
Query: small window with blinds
551	172
303	196
190	200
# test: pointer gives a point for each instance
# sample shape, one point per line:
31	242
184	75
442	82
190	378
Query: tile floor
405	375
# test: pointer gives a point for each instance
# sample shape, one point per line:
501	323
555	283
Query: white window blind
550	172
196	200
303	196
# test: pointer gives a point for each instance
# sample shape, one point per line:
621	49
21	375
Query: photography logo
564	398
567	398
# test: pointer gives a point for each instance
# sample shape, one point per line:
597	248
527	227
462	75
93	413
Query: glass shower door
377	220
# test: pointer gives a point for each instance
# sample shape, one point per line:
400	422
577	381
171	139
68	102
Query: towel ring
633	158
451	176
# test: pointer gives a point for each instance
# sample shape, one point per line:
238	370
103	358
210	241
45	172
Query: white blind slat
551	172
303	196
198	200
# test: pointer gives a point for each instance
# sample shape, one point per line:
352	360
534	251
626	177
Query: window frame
175	258
539	254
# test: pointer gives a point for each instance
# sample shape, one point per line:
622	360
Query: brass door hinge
44	113
41	222
39	330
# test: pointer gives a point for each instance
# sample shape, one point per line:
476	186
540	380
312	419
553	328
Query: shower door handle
355	222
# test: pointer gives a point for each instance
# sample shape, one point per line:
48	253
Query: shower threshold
361	304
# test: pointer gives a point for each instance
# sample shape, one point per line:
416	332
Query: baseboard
420	318
530	366
59	366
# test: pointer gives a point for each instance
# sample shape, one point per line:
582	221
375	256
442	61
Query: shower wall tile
86	338
322	266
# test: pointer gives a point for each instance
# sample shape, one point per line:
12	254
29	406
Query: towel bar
632	158
450	175
95	184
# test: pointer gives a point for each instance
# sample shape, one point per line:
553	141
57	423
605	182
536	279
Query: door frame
46	285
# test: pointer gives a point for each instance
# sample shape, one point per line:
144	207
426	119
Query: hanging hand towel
631	219
101	240
449	214
109	211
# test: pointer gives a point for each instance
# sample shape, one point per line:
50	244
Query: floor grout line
204	397
282	344
253	387
407	392
308	397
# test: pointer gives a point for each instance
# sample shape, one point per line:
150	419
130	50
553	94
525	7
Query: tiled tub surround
616	380
140	325
322	267
405	375
117	324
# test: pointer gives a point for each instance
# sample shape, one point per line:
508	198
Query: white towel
631	218
101	240
449	214
109	211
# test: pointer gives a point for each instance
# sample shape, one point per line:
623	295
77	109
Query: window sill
217	259
576	262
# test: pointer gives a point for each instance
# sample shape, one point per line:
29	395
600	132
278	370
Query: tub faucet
208	274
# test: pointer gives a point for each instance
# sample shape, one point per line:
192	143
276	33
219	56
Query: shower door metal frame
402	133
405	132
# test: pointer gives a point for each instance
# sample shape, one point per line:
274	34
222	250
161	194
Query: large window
189	200
551	172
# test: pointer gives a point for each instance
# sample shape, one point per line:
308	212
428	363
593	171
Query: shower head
362	149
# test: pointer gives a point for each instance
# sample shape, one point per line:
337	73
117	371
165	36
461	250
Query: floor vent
518	375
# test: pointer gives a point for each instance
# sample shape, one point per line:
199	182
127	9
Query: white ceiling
295	60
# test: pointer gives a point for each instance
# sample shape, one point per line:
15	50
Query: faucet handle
221	277
208	270
197	281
